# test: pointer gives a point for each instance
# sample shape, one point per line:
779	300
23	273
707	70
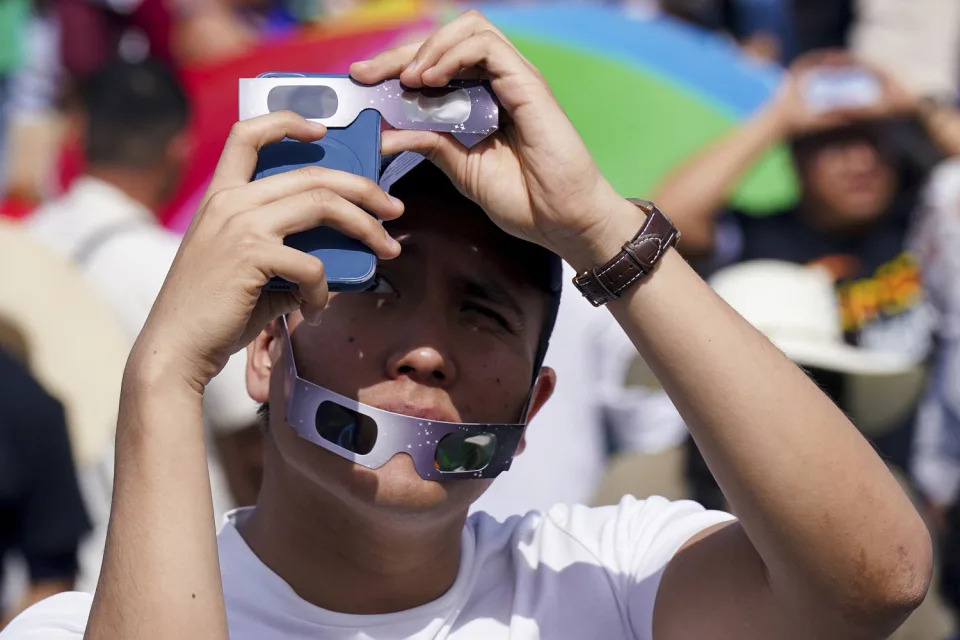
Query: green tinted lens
465	452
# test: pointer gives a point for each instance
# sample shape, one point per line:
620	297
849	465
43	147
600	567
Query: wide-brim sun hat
75	346
796	308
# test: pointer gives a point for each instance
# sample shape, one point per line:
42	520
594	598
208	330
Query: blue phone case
349	264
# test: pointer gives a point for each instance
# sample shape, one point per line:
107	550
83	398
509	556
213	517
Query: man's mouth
414	410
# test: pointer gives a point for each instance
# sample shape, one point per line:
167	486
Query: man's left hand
535	177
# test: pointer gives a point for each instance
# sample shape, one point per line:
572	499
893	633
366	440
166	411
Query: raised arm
696	193
827	544
160	576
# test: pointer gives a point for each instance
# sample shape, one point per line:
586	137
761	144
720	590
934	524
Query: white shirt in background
573	573
935	458
567	441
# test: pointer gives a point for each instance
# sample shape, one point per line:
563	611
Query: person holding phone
853	134
822	543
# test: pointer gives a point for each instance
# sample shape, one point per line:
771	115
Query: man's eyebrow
492	291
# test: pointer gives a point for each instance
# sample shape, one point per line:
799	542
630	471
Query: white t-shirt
573	572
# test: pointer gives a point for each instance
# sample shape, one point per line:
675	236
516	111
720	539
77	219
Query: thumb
271	305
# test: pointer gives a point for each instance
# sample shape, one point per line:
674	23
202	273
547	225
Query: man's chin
396	487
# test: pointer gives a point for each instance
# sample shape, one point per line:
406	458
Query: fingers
410	61
466	26
321	207
485	48
362	191
387	64
270	305
822	58
247	137
440	148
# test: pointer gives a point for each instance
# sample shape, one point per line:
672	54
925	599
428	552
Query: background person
859	183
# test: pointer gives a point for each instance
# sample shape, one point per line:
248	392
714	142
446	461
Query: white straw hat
796	307
76	348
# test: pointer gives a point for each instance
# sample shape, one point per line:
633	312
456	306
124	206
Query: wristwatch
636	259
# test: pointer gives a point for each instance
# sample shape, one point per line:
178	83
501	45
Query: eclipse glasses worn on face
370	436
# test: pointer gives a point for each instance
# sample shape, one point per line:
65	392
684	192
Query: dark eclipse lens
306	100
465	452
353	431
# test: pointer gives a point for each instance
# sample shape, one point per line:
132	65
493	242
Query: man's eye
383	287
488	313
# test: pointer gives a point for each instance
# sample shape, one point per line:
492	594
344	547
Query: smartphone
348	263
830	88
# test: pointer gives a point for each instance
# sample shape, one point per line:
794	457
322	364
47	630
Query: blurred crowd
858	281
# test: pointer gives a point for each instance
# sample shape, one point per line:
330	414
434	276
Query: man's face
849	180
449	334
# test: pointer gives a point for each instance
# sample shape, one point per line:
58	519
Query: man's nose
424	364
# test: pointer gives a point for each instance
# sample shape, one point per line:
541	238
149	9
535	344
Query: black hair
542	267
902	141
133	111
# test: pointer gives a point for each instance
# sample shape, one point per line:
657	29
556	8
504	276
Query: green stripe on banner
13	21
639	127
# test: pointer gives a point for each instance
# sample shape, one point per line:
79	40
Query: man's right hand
212	303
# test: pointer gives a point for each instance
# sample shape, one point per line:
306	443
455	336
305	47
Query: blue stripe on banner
700	62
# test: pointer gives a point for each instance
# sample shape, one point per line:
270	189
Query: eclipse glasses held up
352	112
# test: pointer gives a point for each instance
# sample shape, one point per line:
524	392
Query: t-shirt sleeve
635	541
60	617
652	531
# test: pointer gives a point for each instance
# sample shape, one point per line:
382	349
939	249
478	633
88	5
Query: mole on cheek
350	339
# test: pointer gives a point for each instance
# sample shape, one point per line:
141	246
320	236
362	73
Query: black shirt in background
42	516
879	285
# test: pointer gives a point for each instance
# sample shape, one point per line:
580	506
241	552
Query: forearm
828	520
160	575
696	193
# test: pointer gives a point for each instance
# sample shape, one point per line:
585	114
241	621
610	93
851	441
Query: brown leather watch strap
638	258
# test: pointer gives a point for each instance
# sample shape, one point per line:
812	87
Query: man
856	191
860	172
825	543
42	516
